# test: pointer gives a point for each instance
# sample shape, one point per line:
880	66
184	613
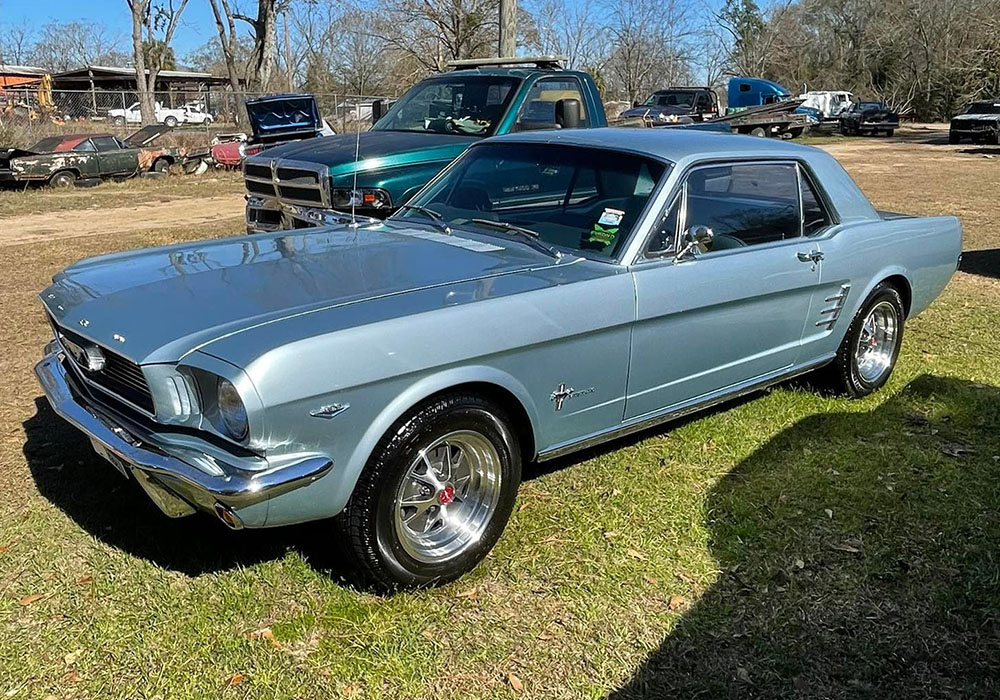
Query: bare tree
151	26
225	25
15	43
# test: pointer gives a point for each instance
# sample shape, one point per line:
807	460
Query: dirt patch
178	213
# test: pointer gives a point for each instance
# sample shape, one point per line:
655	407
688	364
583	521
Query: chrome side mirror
697	240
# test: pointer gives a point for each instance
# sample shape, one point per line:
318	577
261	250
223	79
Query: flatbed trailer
777	119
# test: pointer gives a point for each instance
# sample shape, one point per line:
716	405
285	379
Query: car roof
665	143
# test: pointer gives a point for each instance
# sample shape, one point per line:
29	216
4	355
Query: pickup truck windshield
983	108
676	98
469	105
573	198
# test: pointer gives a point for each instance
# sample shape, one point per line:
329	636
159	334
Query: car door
732	316
114	159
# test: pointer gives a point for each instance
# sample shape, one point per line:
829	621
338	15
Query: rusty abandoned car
63	161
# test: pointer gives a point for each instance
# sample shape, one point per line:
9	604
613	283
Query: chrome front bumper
176	486
267	215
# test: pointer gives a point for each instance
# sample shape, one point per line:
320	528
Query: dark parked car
980	123
698	103
62	160
868	118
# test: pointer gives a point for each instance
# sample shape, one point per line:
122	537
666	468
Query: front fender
329	495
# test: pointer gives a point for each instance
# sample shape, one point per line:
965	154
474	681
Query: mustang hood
159	304
338	152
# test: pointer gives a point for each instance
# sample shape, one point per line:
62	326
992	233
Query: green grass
788	545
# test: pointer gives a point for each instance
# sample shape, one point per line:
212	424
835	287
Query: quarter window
814	216
744	204
539	109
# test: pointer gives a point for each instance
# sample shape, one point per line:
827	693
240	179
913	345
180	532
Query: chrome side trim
665	417
834	311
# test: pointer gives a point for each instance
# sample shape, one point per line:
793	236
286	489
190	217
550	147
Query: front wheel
435	495
161	165
868	353
63	179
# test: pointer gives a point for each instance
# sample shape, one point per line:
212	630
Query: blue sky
197	22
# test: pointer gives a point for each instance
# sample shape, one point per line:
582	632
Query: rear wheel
868	353
161	165
758	131
118	121
170	121
435	495
63	179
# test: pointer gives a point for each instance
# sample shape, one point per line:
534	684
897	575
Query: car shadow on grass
985	263
858	558
70	475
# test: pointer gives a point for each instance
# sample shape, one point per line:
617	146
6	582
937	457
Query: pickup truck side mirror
378	110
697	240
568	113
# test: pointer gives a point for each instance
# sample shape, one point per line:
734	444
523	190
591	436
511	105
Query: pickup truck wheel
758	131
435	496
170	121
118	121
62	179
868	353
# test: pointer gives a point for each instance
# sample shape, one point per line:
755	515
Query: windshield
677	98
983	108
574	198
471	105
870	106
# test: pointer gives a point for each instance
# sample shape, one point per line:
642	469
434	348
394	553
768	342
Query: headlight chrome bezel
367	198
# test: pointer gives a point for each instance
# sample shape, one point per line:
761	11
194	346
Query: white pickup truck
169	116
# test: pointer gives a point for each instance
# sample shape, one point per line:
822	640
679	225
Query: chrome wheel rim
877	341
448	496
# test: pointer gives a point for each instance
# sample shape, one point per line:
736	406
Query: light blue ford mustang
546	292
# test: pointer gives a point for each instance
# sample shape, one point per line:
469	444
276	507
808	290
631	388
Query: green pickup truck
311	182
65	160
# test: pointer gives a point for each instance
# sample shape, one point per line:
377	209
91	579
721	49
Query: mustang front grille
119	377
287	181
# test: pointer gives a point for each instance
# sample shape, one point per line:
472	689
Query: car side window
539	108
744	204
84	147
106	143
814	215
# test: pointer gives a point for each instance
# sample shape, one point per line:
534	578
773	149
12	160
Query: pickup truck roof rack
542	62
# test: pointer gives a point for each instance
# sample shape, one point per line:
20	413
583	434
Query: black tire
118	121
170	121
375	548
795	132
62	179
161	165
758	131
842	376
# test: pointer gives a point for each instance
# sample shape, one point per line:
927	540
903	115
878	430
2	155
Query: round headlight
231	410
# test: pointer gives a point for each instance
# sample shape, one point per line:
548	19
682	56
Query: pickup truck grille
119	377
287	181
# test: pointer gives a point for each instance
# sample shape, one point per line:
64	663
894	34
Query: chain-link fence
27	115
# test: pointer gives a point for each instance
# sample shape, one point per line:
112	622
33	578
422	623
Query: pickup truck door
733	316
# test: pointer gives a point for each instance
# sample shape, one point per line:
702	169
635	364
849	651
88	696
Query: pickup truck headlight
362	198
231	410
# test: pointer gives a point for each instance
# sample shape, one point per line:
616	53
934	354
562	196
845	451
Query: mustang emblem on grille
90	357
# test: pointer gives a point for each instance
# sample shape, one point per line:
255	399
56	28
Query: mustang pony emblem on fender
567	392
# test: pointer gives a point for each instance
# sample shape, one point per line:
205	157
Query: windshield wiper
526	234
438	220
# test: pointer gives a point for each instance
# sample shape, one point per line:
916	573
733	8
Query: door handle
813	256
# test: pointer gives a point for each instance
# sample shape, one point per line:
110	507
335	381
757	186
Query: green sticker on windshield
604	232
